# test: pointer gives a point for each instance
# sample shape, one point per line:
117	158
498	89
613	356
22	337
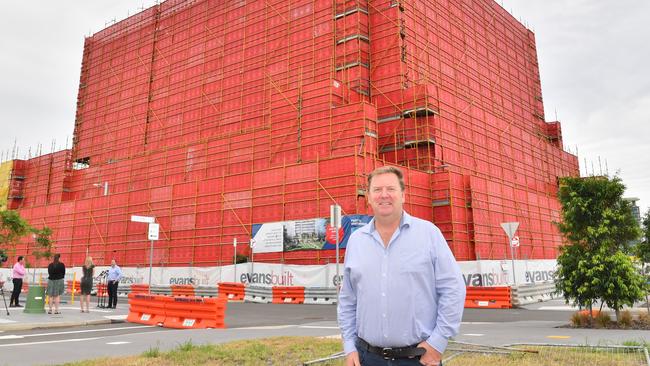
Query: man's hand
352	359
431	357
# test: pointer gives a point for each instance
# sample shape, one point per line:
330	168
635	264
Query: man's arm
347	313
451	294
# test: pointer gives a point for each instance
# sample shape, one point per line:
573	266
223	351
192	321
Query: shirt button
385	335
383	294
383	275
384	315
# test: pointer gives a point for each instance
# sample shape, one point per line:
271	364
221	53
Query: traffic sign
510	228
153	231
147	219
514	242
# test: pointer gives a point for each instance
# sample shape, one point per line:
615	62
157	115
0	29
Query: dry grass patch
279	351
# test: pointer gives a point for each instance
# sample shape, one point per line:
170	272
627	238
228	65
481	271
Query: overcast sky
594	58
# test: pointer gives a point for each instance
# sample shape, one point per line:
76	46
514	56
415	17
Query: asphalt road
249	320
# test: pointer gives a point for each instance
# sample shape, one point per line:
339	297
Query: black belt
390	353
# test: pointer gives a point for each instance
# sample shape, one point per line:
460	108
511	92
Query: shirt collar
405	221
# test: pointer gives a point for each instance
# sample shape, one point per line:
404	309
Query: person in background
88	270
55	283
114	275
17	274
403	294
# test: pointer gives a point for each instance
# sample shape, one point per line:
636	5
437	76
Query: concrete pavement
70	316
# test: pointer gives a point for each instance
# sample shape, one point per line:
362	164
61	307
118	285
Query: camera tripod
2	291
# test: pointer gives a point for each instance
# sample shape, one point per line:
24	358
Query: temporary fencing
488	297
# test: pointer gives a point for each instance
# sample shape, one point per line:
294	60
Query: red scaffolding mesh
213	116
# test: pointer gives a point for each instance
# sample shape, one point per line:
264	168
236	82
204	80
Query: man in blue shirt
402	294
114	275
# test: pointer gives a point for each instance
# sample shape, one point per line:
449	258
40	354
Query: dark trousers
112	293
373	359
18	286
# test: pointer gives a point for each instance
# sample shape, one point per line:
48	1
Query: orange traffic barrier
288	295
488	297
139	288
73	287
232	290
190	312
182	290
25	287
146	309
102	290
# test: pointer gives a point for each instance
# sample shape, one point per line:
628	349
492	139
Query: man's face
113	263
386	196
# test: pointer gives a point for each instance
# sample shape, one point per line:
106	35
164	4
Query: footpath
70	316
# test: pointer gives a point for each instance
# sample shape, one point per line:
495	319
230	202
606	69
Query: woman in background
55	284
87	283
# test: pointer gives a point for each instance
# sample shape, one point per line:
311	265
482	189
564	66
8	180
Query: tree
12	228
642	251
643	248
597	225
594	213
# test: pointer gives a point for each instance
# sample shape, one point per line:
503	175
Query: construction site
216	117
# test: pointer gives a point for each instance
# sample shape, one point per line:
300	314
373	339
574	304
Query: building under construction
214	116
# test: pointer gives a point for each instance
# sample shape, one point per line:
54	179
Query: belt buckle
386	353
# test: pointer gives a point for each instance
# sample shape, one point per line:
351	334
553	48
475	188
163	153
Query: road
249	320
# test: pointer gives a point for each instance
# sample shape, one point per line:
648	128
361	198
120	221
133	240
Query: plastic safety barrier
488	297
529	294
139	288
72	287
232	291
182	290
288	295
101	290
146	309
206	291
191	312
259	294
160	289
321	295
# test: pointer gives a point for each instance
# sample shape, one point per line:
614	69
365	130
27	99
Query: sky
593	57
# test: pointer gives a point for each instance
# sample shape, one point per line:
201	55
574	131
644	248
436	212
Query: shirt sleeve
347	310
450	289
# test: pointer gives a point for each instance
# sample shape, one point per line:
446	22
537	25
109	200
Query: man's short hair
20	258
388	170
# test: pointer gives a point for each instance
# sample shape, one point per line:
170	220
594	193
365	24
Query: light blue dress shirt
114	273
402	294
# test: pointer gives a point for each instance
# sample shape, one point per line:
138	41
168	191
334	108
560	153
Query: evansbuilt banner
475	273
304	234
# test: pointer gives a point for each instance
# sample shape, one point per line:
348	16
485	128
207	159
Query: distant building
636	211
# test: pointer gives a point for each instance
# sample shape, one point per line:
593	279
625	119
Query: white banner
475	273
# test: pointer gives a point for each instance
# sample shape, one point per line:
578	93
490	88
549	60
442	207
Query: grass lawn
283	351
